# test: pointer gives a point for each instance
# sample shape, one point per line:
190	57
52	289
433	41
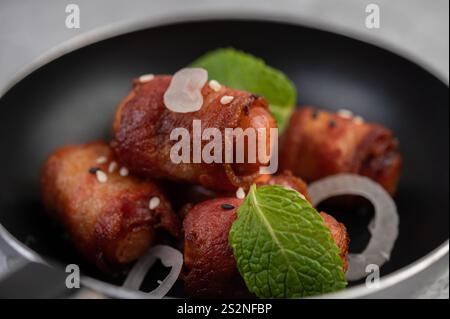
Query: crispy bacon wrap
109	222
210	269
143	125
318	144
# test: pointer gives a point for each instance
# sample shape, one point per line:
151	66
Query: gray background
417	29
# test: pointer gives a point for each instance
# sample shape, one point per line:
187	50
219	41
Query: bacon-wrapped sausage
210	267
338	230
107	215
317	144
143	125
194	194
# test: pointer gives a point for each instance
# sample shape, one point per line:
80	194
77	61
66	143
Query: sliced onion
184	94
169	257
383	227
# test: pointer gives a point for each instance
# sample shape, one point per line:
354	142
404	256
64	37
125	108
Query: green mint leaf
243	71
282	247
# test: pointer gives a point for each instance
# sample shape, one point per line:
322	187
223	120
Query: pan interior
73	98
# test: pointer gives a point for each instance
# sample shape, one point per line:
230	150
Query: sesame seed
154	202
226	99
101	176
332	123
345	113
240	193
112	167
123	171
146	78
358	120
214	85
93	170
227	206
102	160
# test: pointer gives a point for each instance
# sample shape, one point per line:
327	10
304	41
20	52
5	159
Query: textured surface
242	71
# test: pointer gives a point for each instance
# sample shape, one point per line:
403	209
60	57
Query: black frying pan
73	98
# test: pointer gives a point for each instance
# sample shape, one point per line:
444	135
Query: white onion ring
383	228
169	257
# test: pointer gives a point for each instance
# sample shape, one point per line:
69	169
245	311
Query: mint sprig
243	71
282	247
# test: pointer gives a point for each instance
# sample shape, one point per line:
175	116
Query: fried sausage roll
210	267
112	219
317	144
143	125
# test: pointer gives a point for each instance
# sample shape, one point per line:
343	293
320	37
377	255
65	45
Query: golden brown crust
318	144
143	124
210	267
109	223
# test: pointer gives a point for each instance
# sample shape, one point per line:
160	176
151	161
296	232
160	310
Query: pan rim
122	28
117	29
